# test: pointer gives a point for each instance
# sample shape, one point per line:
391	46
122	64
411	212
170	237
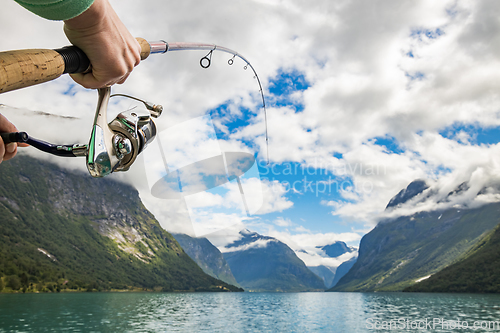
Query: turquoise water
249	312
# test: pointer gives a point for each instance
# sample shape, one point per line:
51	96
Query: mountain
412	190
67	230
336	249
262	263
327	274
342	270
397	252
207	256
330	274
478	271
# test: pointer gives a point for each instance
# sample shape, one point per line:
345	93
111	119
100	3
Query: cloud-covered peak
480	189
413	189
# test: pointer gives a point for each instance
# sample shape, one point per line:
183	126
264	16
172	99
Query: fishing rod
112	146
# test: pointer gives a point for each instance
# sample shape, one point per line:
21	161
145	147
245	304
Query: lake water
249	312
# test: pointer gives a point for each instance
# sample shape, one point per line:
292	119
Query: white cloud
207	222
274	197
309	241
210	212
204	199
301	229
260	243
283	222
314	259
307	245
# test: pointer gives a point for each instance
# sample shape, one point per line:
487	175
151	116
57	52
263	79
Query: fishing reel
112	146
115	146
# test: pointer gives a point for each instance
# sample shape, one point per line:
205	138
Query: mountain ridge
402	250
336	249
263	263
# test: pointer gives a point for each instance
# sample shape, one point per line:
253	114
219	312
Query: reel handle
24	68
14	137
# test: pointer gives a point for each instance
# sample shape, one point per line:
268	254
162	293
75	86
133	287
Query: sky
362	98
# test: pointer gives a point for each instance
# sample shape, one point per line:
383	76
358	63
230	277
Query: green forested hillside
477	272
398	252
62	230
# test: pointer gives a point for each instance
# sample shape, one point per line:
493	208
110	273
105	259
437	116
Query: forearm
90	20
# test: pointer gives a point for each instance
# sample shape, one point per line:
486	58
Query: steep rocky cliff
207	256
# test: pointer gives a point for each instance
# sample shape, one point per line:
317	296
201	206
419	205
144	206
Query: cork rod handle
24	68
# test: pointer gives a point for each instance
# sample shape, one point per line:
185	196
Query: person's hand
7	151
113	52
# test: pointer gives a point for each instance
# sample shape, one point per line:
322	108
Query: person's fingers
7	151
90	82
2	150
123	79
11	147
10	151
99	79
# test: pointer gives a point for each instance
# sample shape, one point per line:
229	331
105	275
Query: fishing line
206	61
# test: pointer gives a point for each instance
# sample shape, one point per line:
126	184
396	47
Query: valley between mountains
65	231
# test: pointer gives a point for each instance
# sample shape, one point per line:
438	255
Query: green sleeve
56	9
